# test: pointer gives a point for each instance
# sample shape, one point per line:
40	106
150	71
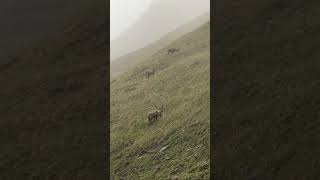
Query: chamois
172	50
148	73
153	115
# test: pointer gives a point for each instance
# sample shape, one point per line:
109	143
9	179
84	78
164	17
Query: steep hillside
266	90
162	17
53	104
124	63
177	145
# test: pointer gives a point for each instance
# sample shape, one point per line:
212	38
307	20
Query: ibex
148	73
172	50
153	115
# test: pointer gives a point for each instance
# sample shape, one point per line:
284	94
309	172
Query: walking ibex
148	73
153	115
172	50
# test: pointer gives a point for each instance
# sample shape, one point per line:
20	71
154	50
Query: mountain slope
125	62
266	90
53	104
159	19
181	85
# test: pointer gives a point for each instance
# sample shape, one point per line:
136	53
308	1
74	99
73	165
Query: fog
156	19
124	13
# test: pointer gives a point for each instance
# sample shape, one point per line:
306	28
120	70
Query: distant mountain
127	61
159	19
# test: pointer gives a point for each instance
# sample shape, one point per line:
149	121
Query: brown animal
153	115
173	50
148	73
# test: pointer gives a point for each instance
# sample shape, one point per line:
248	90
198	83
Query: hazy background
124	13
25	21
156	18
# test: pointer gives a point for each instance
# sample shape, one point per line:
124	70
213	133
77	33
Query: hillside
181	85
162	17
125	62
53	97
266	86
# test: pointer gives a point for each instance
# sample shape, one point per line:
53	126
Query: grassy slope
157	20
181	84
125	62
266	109
53	104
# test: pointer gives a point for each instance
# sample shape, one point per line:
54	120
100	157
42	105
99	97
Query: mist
124	13
158	19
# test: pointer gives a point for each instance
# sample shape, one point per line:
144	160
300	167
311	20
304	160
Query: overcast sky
124	13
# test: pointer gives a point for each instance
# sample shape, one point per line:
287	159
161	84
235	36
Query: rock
164	148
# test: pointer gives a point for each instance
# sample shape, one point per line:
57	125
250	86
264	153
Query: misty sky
124	13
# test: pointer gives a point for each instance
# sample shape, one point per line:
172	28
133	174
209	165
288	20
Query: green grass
125	62
181	84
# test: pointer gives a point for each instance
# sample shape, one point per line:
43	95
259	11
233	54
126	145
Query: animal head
160	110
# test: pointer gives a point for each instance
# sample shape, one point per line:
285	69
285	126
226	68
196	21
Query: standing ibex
148	73
153	115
